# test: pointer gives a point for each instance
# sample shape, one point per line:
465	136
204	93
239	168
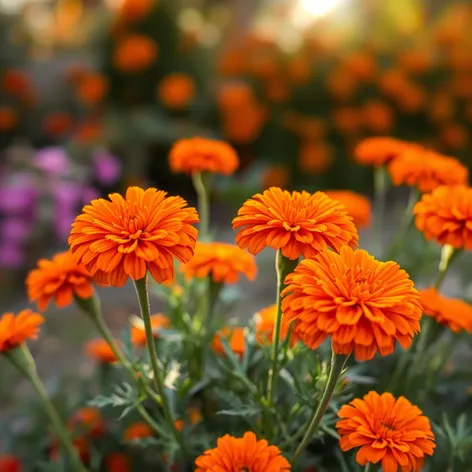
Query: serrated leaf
243	411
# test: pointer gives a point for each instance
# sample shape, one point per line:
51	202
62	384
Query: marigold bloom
126	237
451	312
15	329
264	321
138	430
135	53
138	334
391	431
203	155
176	91
427	170
364	305
135	10
88	132
244	123
237	454
92	89
314	157
380	150
87	421
445	215
57	124
378	116
59	278
234	336
194	417
10	463
358	207
8	119
118	462
15	82
296	223
81	446
224	262
100	350
275	176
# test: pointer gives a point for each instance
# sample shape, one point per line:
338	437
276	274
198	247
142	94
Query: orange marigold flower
135	10
88	132
378	116
138	430
8	119
176	91
92	89
15	82
314	157
380	150
234	337
445	215
264	321
364	305
57	124
427	170
87	421
126	237
60	279
118	462
81	446
15	329
135	53
391	431
203	155
194	417
275	176
100	350
238	454
296	223
10	463
451	312
224	262
358	206
138	334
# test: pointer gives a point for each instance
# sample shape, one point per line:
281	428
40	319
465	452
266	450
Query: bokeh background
94	92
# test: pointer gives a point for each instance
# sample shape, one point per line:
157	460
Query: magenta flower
107	167
12	256
53	161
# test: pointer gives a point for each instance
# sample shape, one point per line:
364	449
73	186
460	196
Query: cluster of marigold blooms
362	305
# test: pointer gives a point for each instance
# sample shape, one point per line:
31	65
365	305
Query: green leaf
242	411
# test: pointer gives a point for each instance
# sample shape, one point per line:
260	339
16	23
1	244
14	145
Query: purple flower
11	256
53	161
16	229
18	196
67	197
107	167
89	194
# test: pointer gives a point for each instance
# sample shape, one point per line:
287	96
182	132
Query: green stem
284	266
380	190
337	365
369	467
51	412
201	184
143	299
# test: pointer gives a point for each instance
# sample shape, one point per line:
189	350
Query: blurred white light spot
190	20
210	35
289	39
305	11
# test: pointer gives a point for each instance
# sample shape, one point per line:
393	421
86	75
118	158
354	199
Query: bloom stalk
201	183
380	189
338	362
143	299
283	266
23	360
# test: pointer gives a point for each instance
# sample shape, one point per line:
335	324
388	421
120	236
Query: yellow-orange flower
118	462
357	206
296	223
176	91
15	329
275	176
8	119
427	170
364	305
234	337
390	431
315	157
100	350
244	123
87	421
223	262
135	10
138	431
451	312
58	279
135	53
138	334
194	417
57	124
203	155
445	215
237	454
380	150
378	116
92	89
264	321
126	237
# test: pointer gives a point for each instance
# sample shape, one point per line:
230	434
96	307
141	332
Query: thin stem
53	415
200	182
380	190
284	266
369	467
143	299
150	421
337	365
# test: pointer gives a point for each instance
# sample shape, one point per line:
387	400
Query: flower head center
388	425
290	228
